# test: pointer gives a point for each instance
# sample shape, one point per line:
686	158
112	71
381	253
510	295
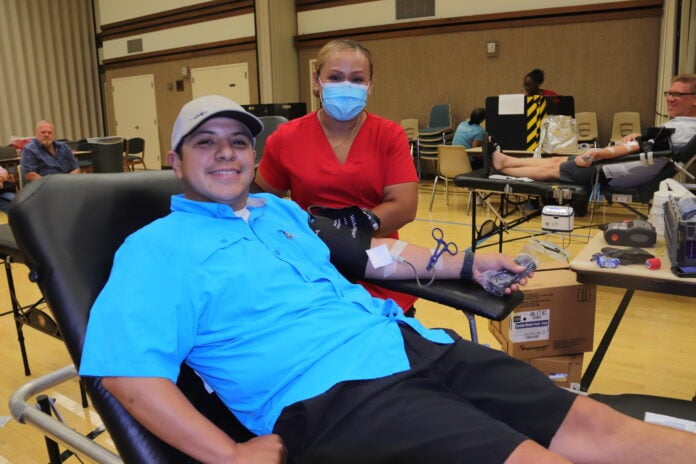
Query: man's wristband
467	272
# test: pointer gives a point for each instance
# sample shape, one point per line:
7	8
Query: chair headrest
687	152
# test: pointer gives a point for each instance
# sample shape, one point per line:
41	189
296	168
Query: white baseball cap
197	111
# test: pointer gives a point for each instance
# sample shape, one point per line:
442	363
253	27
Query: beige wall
381	12
112	11
169	102
608	66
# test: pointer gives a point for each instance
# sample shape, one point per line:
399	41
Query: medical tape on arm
439	263
386	258
647	158
395	253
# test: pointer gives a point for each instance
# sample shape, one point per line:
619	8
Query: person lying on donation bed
681	105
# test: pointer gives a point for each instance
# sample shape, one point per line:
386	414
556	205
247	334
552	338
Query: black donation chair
270	124
89	217
676	160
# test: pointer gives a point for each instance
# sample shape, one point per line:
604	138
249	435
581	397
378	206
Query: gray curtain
48	68
685	62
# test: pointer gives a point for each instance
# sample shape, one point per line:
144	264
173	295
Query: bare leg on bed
541	169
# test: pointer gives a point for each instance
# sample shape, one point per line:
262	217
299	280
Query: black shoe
489	146
531	204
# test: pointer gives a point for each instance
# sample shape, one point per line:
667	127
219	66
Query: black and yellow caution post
535	109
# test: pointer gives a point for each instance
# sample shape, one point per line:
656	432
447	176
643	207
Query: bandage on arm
619	150
394	260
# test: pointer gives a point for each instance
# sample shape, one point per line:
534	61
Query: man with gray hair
45	155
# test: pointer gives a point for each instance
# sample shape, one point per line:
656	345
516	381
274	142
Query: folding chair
411	128
588	132
438	132
624	123
134	153
452	160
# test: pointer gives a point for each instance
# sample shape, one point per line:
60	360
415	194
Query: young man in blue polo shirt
239	287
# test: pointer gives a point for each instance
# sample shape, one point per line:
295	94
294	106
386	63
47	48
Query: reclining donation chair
644	193
90	216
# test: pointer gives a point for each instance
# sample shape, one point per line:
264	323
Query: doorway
135	110
230	81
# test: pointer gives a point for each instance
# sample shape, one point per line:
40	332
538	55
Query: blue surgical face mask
343	100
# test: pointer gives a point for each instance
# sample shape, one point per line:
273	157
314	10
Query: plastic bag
559	134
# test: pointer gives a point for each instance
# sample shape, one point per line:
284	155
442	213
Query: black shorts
459	403
571	173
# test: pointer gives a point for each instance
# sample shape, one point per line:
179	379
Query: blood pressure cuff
348	234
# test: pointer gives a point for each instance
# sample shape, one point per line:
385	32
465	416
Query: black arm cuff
467	272
375	222
348	234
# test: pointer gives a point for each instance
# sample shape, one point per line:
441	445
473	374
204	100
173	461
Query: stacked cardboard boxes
553	327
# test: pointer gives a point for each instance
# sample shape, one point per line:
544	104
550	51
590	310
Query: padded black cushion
465	296
8	244
478	180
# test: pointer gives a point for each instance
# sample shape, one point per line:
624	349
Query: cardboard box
556	317
565	370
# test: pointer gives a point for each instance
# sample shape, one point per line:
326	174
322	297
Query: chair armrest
464	296
26	413
635	157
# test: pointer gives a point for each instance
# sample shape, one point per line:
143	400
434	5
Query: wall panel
608	66
218	30
111	11
315	17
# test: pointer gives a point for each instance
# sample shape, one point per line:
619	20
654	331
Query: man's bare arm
449	266
587	158
162	408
